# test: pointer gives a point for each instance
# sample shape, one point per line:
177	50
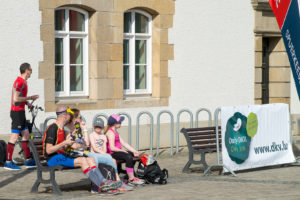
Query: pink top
117	141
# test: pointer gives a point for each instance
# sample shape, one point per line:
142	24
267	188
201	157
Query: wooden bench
200	141
41	163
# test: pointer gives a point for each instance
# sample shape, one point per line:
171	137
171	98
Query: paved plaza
275	182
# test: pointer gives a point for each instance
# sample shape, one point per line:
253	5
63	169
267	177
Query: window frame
67	35
132	37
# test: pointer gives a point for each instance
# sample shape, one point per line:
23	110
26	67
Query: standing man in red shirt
18	126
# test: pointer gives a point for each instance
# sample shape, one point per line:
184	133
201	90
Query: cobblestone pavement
276	182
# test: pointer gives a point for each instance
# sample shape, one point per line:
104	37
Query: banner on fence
256	136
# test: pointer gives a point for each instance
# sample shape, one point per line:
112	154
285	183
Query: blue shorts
18	131
60	159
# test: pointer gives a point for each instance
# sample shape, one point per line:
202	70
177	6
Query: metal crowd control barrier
138	129
217	111
129	125
158	130
209	116
178	125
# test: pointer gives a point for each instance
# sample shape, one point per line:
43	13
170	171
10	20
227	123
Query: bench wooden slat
212	141
202	129
204	137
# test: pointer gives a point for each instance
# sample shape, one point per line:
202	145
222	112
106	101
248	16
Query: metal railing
158	130
138	129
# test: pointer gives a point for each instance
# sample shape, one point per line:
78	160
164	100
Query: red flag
280	8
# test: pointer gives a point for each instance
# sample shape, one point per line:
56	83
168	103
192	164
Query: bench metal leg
35	187
186	167
55	187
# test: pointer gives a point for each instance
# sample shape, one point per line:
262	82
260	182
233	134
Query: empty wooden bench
200	141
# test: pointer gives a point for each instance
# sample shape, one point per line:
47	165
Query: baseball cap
115	119
98	122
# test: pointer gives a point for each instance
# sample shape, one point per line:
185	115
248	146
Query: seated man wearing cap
55	143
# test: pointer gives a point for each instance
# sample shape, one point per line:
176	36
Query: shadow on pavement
15	177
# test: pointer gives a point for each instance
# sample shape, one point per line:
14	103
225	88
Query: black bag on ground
107	171
152	173
2	152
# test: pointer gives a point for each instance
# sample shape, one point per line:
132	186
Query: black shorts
18	123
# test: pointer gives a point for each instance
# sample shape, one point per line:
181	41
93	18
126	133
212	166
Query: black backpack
152	173
107	171
2	152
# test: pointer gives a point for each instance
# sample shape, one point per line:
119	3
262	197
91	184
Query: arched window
137	53
71	52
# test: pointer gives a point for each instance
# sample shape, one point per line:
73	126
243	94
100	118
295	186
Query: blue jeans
103	158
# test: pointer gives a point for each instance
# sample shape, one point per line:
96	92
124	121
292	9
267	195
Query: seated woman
114	147
97	151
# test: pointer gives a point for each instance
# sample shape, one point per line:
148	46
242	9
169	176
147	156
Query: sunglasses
69	111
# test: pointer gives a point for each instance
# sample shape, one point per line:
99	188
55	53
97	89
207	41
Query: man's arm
17	97
50	148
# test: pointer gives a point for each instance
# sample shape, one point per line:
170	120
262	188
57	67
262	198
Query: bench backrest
36	147
202	138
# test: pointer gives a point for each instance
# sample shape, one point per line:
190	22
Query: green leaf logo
237	141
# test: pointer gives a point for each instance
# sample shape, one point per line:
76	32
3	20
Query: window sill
74	101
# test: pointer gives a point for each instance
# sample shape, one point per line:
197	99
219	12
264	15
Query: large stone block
257	91
276	44
117	35
278	59
47	33
258	75
116	52
93	51
167	52
165	85
50	106
156	36
279	100
156	53
164	68
156	86
166	21
98	69
105	89
265	22
115	69
279	90
47	16
164	35
258	59
118	88
258	43
46	70
279	74
117	19
49	86
48	51
104	52
156	70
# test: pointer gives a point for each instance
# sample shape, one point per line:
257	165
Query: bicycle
34	111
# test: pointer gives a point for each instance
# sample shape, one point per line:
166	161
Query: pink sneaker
136	181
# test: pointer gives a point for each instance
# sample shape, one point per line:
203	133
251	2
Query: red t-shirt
20	85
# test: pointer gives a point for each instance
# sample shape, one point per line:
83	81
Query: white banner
256	136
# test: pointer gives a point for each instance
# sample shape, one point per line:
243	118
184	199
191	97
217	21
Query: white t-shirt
98	141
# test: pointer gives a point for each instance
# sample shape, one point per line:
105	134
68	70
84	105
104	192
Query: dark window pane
59	78
76	51
126	51
140	52
141	23
140	77
60	20
76	78
127	23
126	77
76	21
59	56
